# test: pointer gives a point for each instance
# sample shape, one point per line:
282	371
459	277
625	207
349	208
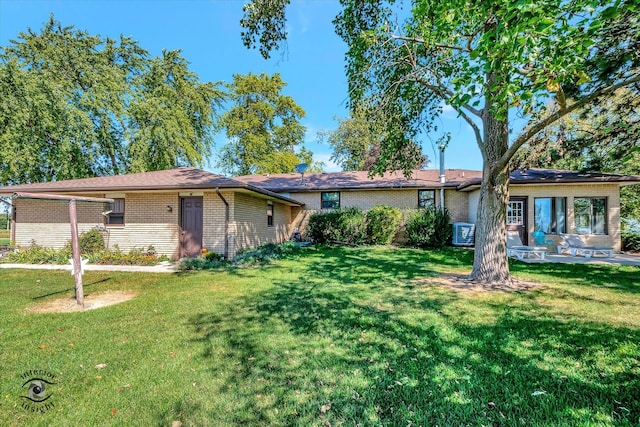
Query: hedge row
428	227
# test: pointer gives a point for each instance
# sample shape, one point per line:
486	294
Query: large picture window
115	215
426	198
590	215
550	214
330	199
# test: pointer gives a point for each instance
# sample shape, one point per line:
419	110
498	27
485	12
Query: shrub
342	226
116	257
90	243
35	254
630	241
200	264
265	254
319	228
382	224
213	256
630	234
429	228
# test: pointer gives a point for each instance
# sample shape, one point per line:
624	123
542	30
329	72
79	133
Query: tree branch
436	45
445	97
528	134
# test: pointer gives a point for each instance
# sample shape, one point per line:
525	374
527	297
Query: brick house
184	210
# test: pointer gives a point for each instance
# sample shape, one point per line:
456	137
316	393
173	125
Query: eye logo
38	390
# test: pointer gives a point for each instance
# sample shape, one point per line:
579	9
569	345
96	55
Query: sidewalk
618	259
162	267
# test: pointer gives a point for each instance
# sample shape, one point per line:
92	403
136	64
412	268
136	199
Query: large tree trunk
490	264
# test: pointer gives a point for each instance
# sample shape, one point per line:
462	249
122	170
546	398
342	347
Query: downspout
226	224
442	176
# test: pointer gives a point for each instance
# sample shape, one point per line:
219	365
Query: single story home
183	211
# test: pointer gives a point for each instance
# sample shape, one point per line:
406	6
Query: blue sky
208	33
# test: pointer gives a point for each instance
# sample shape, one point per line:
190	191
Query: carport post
73	220
75	249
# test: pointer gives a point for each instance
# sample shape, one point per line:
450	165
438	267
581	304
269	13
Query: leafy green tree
263	127
487	61
171	119
75	105
602	138
356	143
350	141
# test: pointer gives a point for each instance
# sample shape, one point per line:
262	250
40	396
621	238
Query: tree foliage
263	127
357	143
602	138
76	105
258	21
486	60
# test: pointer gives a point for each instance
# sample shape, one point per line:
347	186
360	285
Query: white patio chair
576	246
515	248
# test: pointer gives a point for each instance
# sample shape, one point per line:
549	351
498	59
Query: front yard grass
344	336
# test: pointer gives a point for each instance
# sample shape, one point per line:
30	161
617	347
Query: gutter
226	224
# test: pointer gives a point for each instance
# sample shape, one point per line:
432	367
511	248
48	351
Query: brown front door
191	224
517	217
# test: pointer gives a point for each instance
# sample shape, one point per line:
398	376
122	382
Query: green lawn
347	336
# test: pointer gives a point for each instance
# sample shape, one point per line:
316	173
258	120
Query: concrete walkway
168	267
163	267
618	259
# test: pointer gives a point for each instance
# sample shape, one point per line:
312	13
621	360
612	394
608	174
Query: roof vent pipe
442	176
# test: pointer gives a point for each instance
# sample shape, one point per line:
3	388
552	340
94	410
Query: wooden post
75	248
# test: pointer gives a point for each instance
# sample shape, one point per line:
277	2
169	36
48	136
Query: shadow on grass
622	278
64	291
351	342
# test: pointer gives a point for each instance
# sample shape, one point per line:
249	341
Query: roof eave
116	189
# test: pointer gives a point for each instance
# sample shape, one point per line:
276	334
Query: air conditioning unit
464	234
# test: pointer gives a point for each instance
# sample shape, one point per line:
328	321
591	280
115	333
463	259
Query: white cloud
329	165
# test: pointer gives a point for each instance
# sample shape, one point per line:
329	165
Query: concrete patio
618	259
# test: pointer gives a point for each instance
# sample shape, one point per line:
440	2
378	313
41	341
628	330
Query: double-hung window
115	213
550	215
269	214
426	198
330	199
590	215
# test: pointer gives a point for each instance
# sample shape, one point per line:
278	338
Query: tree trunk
490	264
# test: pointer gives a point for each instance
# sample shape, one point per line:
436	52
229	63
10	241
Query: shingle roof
551	176
191	178
292	182
173	179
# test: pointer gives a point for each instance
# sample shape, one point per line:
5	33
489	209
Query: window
550	214
269	214
590	215
115	212
330	199
515	212
426	198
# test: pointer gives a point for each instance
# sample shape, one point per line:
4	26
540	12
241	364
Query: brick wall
147	222
457	203
250	222
610	191
213	218
366	199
